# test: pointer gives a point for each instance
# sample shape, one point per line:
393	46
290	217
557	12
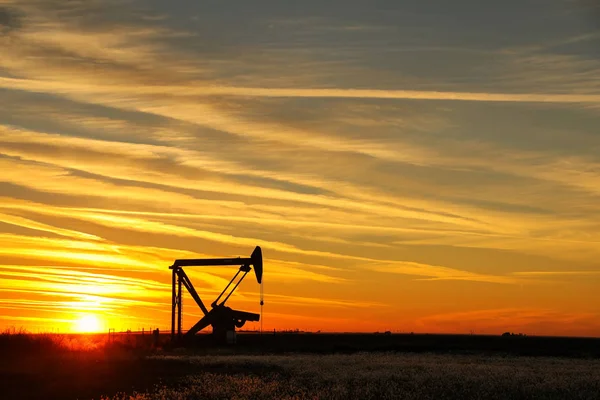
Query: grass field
90	367
380	376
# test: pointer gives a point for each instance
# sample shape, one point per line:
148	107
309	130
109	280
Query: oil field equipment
223	319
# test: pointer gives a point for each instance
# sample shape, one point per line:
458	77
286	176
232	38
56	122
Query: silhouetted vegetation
510	334
298	365
70	366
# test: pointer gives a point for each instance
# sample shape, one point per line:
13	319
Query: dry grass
381	376
20	343
87	366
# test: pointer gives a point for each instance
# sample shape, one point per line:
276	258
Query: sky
405	165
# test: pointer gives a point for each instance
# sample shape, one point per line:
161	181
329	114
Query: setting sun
87	323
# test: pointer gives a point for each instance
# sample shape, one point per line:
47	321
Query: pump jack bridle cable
262	302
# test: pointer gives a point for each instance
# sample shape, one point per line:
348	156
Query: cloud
128	141
398	94
27	223
343	93
556	273
9	20
317	302
93	156
434	272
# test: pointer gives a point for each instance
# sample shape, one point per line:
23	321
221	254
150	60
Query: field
381	376
284	367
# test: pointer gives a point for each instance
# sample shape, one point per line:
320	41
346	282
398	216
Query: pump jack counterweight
223	319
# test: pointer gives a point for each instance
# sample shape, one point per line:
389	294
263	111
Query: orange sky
404	167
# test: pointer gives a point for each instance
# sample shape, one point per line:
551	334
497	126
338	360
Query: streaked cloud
557	273
185	91
433	272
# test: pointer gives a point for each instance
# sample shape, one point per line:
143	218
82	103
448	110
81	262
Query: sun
87	324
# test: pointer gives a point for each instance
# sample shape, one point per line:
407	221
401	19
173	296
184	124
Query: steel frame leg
179	307
173	306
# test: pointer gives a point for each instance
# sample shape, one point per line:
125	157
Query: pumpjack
223	319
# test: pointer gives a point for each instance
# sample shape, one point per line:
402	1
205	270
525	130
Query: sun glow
87	324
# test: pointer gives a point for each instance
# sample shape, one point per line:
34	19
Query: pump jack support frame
222	318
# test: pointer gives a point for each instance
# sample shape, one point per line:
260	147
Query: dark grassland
299	366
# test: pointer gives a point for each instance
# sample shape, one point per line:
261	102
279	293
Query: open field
298	366
380	376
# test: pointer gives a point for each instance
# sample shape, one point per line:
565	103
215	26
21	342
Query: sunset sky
426	166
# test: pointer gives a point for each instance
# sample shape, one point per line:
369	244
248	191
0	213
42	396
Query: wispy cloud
342	93
434	272
556	273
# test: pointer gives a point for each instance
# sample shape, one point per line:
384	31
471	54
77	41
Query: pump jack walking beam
221	317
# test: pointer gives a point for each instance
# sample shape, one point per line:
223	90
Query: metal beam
190	288
245	315
179	307
235	287
198	326
173	306
205	262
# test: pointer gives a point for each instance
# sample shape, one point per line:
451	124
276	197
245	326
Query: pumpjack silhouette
223	319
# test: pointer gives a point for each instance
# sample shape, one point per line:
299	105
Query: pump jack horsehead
223	319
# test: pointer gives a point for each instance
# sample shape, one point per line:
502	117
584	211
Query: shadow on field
348	343
83	375
51	367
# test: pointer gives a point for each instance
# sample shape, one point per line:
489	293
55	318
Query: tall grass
73	366
85	366
18	343
382	376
